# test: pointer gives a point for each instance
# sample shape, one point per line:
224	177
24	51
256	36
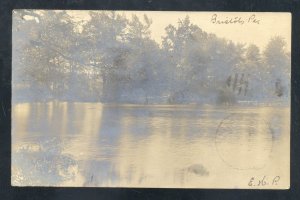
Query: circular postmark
244	141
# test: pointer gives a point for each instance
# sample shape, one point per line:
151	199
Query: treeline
112	58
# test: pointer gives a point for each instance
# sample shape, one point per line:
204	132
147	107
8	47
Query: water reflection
90	144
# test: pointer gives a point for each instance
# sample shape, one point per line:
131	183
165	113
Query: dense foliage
110	58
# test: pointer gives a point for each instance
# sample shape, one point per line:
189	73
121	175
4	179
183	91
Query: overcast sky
258	30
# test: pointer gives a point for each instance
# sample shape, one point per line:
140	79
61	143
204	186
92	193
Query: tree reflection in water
96	145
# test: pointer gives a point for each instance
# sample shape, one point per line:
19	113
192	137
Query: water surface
91	144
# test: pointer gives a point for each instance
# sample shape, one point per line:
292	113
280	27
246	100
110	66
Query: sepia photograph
151	99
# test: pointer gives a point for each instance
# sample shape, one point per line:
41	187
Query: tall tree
44	51
278	65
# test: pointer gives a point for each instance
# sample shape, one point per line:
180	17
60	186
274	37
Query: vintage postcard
151	99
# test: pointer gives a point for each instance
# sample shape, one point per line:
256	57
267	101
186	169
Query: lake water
91	144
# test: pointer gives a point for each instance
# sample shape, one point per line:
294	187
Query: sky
258	30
